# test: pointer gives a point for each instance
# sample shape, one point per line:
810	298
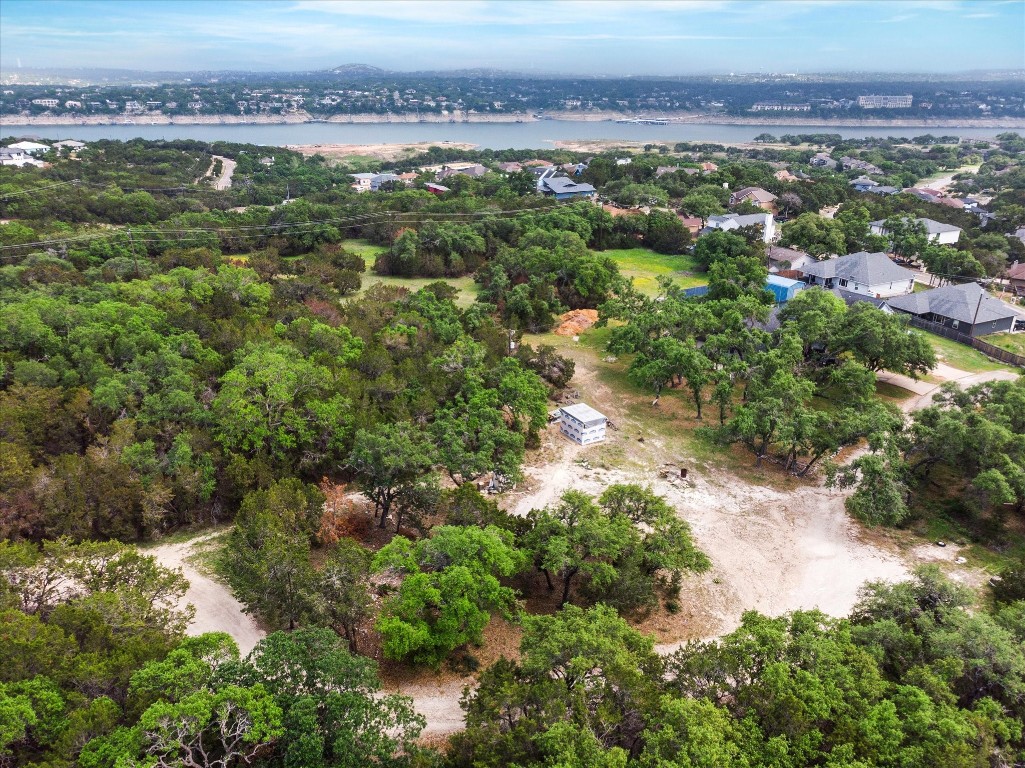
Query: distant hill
359	70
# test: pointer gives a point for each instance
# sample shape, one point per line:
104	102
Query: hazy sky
621	37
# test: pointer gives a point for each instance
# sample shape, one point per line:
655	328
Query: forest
178	359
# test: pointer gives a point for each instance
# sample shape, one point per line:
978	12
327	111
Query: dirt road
772	550
217	610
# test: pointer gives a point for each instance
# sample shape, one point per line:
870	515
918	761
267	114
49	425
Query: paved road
227	169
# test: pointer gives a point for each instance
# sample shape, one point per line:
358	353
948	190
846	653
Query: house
662	170
755	195
937	231
708	167
823	160
474	171
786	176
510	167
623	160
30	147
928	195
787	258
883	190
867	274
863	184
436	189
692	223
382	178
1019	233
16	157
70	144
562	188
268	161
1016	276
965	307
407	178
783	288
730	221
362	181
854	164
574	169
582	424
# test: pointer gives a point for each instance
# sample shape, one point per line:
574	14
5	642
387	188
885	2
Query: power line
154	235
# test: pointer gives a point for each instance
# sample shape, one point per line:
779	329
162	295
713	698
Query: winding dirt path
772	550
217	610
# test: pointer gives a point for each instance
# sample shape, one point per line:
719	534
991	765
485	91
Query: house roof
29	146
757	193
779	253
584	413
863	268
966	303
850	298
561	185
863	181
1017	272
931	227
782	282
747	220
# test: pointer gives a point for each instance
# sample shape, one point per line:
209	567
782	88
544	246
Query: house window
955	323
843	283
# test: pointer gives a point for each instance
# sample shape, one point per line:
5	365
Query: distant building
730	221
1016	276
362	181
863	184
45	102
966	308
562	188
885	102
868	274
30	147
436	189
937	231
822	160
787	258
775	106
582	424
756	195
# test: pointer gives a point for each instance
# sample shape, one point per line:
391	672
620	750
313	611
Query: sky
612	37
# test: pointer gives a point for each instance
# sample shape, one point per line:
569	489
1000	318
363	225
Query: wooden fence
983	346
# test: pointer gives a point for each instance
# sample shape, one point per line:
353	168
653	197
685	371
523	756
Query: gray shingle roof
862	268
958	302
560	184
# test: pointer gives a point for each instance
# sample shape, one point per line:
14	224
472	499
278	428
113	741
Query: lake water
533	135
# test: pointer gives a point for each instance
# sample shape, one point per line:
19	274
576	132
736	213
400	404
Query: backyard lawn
1012	342
645	266
962	356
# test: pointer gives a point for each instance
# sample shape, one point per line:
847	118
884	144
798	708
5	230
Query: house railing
983	346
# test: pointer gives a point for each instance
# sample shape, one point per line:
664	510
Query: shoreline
304	118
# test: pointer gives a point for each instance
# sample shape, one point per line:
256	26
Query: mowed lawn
1012	342
645	267
467	288
962	356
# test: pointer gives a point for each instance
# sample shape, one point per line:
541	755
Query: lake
534	135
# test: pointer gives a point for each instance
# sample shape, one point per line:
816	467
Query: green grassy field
645	267
1012	342
467	288
962	356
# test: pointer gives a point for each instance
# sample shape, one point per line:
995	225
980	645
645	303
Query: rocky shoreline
299	118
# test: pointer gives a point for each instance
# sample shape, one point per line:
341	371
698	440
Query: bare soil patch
386	152
576	321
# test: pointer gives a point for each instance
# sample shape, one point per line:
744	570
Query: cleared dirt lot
776	543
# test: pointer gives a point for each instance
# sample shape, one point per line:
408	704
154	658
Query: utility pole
982	292
135	258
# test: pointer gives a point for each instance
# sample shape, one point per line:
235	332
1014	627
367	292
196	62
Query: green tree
449	590
388	460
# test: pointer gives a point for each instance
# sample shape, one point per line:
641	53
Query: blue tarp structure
783	288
